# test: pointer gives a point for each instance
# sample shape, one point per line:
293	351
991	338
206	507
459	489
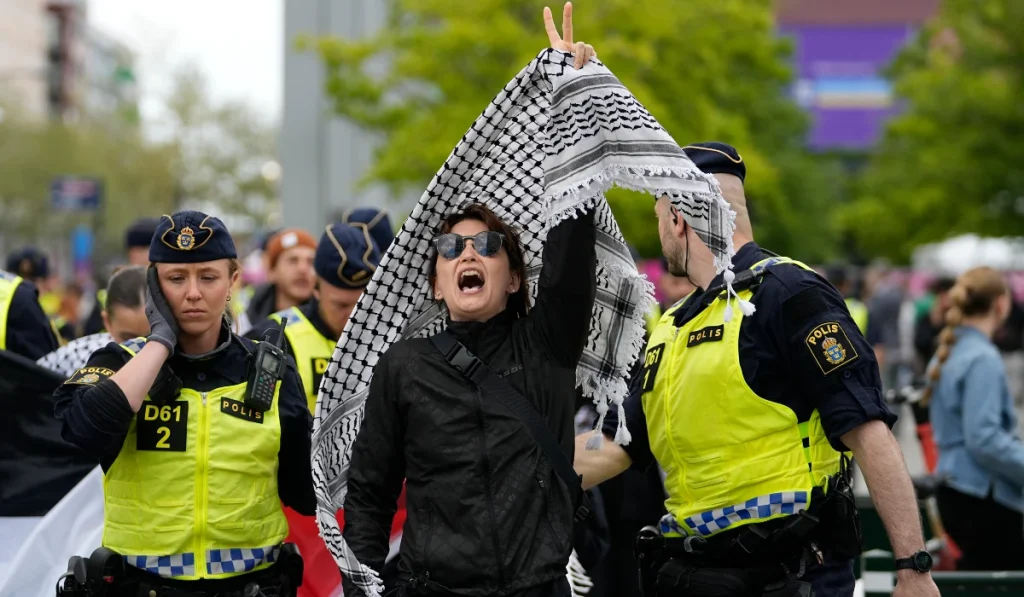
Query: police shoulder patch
90	376
830	347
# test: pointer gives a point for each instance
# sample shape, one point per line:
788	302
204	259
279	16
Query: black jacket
29	332
486	512
96	415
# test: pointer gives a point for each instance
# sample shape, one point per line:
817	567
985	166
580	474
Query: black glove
163	328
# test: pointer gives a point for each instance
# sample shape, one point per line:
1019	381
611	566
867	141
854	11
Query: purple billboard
838	73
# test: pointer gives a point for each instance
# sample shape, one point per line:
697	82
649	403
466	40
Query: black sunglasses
486	244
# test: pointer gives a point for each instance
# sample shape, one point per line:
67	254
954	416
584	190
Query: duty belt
104	574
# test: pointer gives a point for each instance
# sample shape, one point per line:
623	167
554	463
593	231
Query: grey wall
322	157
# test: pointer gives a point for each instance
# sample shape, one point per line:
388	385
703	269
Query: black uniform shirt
777	362
96	416
29	332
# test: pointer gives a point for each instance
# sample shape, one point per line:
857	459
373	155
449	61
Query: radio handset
266	368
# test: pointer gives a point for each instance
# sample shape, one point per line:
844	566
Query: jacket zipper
201	505
487	489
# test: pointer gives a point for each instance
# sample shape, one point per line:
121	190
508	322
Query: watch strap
904	564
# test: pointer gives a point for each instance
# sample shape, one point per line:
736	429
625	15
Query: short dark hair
519	301
126	288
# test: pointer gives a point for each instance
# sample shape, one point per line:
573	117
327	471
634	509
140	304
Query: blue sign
81	244
72	193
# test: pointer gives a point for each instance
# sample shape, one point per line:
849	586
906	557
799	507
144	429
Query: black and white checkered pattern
547	146
222	561
75	354
173	566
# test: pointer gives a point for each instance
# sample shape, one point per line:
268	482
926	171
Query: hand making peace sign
583	52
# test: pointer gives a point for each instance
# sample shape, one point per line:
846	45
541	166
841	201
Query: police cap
191	237
376	221
29	263
716	158
346	256
140	233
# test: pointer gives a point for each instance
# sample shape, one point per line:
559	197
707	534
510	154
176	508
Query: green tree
136	177
707	69
950	163
221	150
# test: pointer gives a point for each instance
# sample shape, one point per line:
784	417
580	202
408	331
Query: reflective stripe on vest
312	351
193	492
730	457
218	562
8	284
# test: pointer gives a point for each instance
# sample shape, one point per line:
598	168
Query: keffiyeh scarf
546	147
75	354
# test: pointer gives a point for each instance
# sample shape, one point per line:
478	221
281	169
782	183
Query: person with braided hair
981	456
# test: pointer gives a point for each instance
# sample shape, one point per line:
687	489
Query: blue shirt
776	362
975	425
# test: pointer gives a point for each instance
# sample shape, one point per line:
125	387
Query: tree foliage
136	177
220	150
706	69
950	163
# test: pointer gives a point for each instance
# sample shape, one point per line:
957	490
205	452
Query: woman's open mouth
471	281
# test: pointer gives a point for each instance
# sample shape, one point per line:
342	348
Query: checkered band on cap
766	506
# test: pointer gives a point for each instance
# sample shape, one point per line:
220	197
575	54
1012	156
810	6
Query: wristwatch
920	561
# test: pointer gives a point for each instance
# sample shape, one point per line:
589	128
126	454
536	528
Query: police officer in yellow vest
197	458
32	265
346	257
754	390
24	327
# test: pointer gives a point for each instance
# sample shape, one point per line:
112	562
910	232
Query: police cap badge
191	237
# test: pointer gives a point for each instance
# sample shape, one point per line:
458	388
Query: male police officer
346	257
24	327
750	413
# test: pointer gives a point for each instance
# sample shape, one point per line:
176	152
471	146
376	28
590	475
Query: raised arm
565	292
566	289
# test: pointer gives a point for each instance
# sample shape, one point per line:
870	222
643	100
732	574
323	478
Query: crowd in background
901	314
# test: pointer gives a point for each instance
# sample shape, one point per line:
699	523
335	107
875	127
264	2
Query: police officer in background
840	277
24	327
196	465
136	245
345	260
752	413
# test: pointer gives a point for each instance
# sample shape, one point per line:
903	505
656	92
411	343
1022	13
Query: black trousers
989	535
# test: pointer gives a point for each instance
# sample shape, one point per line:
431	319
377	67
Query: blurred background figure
124	318
290	277
885	296
32	265
981	456
841	277
931	318
24	327
136	251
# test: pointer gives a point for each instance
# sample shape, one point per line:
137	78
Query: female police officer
195	471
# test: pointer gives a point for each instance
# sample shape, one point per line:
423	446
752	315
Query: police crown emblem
186	239
834	351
